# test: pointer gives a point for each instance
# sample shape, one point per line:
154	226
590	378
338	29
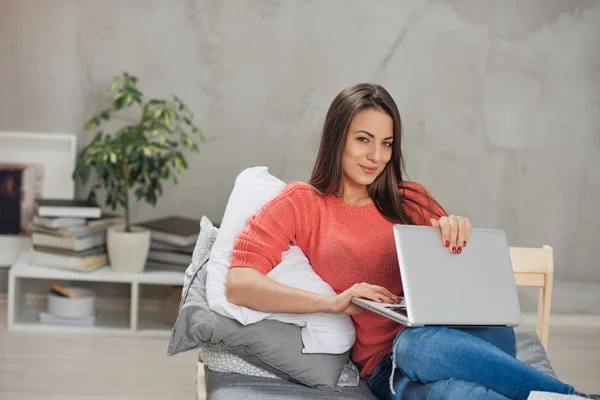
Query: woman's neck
355	195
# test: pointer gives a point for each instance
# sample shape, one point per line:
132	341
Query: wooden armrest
534	267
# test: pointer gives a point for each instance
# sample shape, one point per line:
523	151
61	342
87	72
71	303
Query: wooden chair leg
539	326
546	303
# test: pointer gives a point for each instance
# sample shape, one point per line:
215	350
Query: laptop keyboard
397	309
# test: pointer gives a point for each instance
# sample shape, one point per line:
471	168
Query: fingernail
453	250
459	251
447	243
464	244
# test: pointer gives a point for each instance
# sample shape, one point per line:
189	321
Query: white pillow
322	332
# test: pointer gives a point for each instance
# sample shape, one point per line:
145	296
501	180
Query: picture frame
32	165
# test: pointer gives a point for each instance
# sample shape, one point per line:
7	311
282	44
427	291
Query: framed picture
32	165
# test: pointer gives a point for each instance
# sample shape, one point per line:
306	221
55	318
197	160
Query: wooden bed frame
533	267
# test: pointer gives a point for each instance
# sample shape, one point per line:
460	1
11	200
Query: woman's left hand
455	232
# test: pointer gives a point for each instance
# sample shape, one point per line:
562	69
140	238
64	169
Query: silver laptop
473	289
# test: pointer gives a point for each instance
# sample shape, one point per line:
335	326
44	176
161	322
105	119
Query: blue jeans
444	363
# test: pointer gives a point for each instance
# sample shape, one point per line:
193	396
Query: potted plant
134	160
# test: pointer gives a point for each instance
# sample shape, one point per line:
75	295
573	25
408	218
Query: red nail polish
459	251
464	244
447	243
453	250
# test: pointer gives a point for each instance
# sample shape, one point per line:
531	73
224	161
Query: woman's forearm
250	288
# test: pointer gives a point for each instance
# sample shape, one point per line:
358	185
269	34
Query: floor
69	367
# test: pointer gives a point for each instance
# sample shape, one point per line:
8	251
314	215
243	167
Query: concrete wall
500	100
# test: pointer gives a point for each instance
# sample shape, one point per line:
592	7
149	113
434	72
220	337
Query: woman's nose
374	154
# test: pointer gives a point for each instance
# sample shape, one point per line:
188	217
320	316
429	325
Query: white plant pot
127	251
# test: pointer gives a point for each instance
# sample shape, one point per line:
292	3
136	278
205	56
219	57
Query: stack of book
173	242
70	234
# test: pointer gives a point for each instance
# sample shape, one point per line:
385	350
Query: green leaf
139	193
85	174
113	85
119	103
100	170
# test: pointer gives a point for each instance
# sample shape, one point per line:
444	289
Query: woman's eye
363	139
387	144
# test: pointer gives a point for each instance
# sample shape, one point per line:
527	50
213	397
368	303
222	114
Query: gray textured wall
500	100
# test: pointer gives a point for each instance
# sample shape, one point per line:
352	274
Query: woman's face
368	147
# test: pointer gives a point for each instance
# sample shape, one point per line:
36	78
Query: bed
533	267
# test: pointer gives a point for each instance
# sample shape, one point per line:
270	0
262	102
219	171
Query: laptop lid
476	287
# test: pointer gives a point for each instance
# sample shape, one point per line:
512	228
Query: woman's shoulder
297	198
299	190
298	195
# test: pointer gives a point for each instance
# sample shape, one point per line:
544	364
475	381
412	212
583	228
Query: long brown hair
327	175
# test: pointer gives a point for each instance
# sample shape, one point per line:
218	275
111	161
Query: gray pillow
206	239
531	351
270	345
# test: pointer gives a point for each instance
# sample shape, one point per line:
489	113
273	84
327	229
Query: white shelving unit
24	317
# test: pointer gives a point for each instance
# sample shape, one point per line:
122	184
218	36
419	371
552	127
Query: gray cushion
227	385
271	345
222	386
531	351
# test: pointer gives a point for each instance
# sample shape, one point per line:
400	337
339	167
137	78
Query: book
81	263
70	230
74	243
57	222
170	257
163	266
107	219
67	208
154	245
88	226
65	252
47	318
174	230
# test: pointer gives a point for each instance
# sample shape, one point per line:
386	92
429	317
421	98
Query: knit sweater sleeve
279	224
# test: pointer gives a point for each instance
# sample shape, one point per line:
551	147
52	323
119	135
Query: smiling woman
342	220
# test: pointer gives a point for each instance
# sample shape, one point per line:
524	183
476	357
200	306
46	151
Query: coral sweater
345	245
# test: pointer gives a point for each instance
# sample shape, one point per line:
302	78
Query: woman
342	220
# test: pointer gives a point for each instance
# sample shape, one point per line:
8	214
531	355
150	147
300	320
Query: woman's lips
369	170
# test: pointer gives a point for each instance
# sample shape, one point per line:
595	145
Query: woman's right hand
342	303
